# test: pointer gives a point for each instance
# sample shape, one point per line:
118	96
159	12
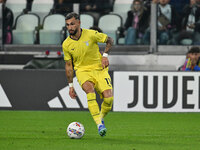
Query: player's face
73	25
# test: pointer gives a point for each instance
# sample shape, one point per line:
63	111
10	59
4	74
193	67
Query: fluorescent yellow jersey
85	51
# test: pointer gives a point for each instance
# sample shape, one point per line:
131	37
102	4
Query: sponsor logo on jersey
87	43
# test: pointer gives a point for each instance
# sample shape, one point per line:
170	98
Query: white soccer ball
75	130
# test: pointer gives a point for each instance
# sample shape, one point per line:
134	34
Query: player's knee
107	93
108	101
89	90
88	87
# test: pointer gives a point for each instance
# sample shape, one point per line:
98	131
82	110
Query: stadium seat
53	29
42	8
186	41
121	41
122	7
17	7
109	24
24	30
87	21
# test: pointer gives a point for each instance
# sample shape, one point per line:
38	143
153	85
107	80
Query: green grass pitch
46	130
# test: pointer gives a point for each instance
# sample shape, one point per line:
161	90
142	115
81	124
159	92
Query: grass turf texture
46	130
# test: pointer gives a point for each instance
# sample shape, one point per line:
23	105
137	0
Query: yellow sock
93	107
106	106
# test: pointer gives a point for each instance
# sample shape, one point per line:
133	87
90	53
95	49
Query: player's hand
105	62
72	93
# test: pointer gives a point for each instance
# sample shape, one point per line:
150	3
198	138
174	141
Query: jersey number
108	81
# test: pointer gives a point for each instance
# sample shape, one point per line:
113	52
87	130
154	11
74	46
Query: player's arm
70	74
109	43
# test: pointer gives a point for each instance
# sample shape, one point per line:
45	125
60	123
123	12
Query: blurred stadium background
156	106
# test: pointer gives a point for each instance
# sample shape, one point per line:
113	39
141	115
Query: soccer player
81	53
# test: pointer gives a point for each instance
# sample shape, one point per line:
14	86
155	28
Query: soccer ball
75	130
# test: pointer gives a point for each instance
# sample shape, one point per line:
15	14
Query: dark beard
75	31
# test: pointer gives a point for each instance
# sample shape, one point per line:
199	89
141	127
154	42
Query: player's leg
93	107
105	88
87	82
107	103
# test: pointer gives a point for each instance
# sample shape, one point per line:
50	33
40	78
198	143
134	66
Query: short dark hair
194	50
71	15
134	1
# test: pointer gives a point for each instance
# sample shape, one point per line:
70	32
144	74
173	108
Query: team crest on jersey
87	43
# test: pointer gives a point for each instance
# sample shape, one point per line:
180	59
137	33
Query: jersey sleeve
100	37
67	55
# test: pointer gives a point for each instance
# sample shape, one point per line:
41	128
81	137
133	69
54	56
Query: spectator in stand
63	6
168	19
136	23
192	62
190	33
147	3
179	5
96	8
7	23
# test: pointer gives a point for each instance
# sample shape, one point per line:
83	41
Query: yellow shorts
100	78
